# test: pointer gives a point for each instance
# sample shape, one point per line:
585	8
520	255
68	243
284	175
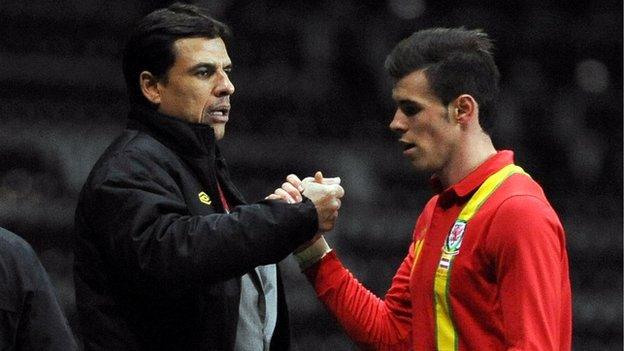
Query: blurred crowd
311	93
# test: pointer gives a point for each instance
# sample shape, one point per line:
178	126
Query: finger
295	181
294	193
337	191
329	181
275	197
318	177
307	180
285	196
335	205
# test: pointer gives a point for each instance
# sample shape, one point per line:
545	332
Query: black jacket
158	263
30	316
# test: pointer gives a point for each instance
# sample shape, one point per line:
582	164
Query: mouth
218	114
406	146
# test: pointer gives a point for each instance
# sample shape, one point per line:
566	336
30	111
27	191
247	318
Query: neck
467	157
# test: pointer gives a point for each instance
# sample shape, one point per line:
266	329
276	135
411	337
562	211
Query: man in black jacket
30	316
168	255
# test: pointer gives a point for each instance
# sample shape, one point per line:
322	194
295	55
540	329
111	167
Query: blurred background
311	94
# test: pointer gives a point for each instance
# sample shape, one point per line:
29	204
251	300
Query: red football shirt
509	287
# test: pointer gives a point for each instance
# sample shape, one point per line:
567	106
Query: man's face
427	134
197	88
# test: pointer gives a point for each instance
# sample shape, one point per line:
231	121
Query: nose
399	122
224	86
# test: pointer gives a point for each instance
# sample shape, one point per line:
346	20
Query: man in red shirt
487	269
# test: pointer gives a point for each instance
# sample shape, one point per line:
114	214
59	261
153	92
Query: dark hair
455	61
150	47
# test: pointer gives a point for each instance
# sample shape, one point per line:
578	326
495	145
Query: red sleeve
371	322
527	245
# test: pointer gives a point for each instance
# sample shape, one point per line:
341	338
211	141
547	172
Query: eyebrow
211	66
403	101
399	97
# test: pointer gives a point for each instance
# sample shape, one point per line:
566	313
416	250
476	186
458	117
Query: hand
325	193
290	191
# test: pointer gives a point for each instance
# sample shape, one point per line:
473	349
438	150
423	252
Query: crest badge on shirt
455	237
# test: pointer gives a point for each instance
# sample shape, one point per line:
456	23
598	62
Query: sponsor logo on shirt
204	198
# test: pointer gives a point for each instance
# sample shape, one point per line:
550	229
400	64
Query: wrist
312	254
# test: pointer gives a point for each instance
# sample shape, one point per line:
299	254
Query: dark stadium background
311	94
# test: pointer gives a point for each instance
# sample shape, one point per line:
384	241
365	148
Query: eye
204	72
408	108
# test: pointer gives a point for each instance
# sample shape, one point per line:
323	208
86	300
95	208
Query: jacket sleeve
138	214
373	323
527	247
42	325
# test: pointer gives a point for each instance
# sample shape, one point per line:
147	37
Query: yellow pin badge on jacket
204	198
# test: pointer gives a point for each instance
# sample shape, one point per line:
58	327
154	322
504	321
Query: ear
149	87
466	109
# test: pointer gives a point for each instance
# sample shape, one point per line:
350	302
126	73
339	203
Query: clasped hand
325	193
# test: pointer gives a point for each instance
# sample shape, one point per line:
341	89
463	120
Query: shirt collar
192	139
475	178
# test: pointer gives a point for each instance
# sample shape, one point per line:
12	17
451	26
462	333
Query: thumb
318	177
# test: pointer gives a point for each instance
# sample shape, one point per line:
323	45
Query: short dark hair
455	61
150	47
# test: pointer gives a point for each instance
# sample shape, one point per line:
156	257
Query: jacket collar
189	139
474	179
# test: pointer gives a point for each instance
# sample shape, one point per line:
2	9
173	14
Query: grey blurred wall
311	94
